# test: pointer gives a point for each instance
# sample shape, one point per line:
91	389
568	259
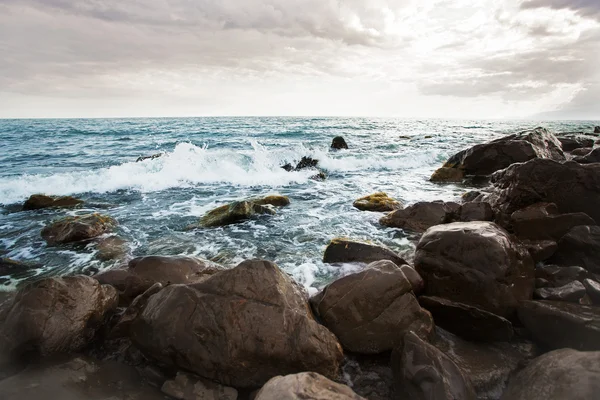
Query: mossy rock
273	200
448	174
377	202
234	212
75	229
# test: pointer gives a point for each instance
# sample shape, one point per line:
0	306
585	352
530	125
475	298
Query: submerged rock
74	229
234	212
254	324
342	250
305	386
39	201
111	248
421	216
152	157
380	202
580	246
338	143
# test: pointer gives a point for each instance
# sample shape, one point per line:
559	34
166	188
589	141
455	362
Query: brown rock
417	283
379	202
421	216
111	248
274	200
445	174
305	386
189	387
476	211
540	250
546	227
571	143
342	250
74	229
580	246
234	212
560	276
584	151
39	201
589	158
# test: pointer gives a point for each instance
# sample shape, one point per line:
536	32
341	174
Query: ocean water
212	161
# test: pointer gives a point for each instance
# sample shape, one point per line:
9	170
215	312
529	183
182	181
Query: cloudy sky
405	58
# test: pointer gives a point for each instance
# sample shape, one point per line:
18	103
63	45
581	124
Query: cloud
588	8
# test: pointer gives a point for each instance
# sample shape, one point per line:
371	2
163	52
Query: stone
466	321
421	216
79	228
582	151
189	387
305	162
111	248
475	263
39	201
379	202
423	372
305	386
338	143
570	292
560	276
123	326
445	174
274	200
570	143
540	250
234	212
370	376
152	157
597	129
551	227
580	246
557	324
16	270
416	282
476	211
591	157
240	327
593	290
342	250
370	311
557	375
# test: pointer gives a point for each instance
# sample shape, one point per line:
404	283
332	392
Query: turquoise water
212	161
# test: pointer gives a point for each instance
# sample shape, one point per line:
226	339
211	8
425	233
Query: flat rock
39	201
343	250
570	143
79	228
580	246
379	202
421	216
570	292
305	386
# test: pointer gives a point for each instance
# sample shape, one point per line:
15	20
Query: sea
209	162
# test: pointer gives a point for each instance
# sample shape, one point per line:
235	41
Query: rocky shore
501	299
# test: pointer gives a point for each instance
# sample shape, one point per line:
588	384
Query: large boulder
558	375
370	311
423	372
39	201
240	327
421	216
476	263
476	211
580	246
380	202
55	315
75	229
305	386
557	324
234	212
342	250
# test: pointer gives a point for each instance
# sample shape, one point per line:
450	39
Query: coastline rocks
39	201
343	250
370	311
558	324
305	386
417	283
380	202
234	212
570	292
239	327
557	375
55	315
580	246
476	263
423	372
540	250
581	152
338	143
447	174
74	229
560	276
467	321
420	216
190	387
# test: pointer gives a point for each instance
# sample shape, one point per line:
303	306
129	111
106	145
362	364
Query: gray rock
570	143
421	216
570	292
343	250
189	387
305	386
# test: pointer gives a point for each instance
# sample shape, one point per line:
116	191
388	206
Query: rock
123	326
306	162
55	316
571	186
560	276
557	375
571	143
189	387
111	248
274	200
593	290
380	202
74	229
342	250
540	250
467	321
597	129
580	246
16	270
366	323
570	292
152	157
581	152
233	212
416	282
470	196
550	227
421	216
558	324
339	143
370	376
476	263
39	201
445	174
476	211
254	324
591	157
423	372
305	386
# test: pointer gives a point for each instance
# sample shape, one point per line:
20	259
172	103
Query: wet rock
591	157
560	276
305	386
123	326
570	143
467	321
305	162
380	202
111	248
570	292
549	227
540	250
17	270
593	290
369	376
370	324
580	246
416	282
39	201
342	250
421	216
476	211
445	174
274	200
339	143
423	372
558	324
234	212
470	196
55	315
557	375
189	387
254	324
582	151
74	229
152	157
597	129
476	263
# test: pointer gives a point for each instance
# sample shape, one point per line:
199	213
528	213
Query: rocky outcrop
338	143
254	324
39	201
380	202
342	250
423	372
366	323
421	216
305	162
467	321
580	246
476	263
557	375
558	324
234	212
305	386
189	387
79	228
572	292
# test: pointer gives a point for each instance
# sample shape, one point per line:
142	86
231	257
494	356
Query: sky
396	58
